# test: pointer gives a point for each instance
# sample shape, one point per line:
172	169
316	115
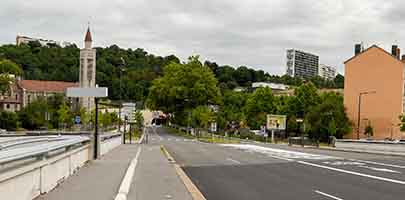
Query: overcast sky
254	33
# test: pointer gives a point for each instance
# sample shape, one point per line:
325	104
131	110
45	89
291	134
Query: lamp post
121	67
359	110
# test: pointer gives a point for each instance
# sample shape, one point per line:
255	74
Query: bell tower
87	76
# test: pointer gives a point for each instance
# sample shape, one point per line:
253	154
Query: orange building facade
374	84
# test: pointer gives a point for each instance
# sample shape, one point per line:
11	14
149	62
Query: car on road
2	131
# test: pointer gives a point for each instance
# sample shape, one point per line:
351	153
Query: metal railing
64	143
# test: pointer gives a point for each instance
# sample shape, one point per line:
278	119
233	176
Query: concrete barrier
26	180
371	146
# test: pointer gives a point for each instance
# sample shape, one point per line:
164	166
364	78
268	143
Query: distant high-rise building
327	72
87	76
302	64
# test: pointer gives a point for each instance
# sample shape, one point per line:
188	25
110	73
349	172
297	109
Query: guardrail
7	156
37	169
372	146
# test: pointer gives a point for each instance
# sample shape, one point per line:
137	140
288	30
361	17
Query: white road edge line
234	161
353	173
127	181
327	195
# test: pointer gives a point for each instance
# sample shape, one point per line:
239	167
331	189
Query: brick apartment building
374	91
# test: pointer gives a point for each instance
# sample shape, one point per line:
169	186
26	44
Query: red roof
46	86
88	36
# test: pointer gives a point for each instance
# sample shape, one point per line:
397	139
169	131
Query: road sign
276	122
87	92
77	120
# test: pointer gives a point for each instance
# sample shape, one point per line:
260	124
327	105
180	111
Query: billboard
276	122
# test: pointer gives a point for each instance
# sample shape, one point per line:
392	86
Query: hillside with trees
141	68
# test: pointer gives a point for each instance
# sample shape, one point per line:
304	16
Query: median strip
192	189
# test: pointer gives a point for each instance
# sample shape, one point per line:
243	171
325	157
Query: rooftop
46	86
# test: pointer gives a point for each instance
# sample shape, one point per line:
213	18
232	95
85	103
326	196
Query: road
266	171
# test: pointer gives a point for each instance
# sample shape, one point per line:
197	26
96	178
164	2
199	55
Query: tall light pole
359	110
121	68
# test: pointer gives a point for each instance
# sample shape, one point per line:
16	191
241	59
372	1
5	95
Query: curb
126	182
192	189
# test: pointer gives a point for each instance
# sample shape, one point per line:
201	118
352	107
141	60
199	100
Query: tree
339	81
258	105
8	71
202	116
139	120
184	87
64	115
328	118
306	98
8	120
232	108
33	116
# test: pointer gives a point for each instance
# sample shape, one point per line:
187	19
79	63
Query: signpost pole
272	136
96	136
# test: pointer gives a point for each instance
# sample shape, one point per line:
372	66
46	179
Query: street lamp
121	66
359	110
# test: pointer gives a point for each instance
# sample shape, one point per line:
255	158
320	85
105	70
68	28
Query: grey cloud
254	33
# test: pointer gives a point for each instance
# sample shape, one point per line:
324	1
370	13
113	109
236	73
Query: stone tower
87	77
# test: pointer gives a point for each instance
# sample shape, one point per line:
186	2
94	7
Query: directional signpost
96	93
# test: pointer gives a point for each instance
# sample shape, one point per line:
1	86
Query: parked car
2	131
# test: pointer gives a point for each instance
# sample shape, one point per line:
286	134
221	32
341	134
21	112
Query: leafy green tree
33	116
65	115
138	116
232	108
258	105
8	69
328	118
183	87
8	120
339	81
306	98
202	116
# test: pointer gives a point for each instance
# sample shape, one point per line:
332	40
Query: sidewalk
156	178
99	179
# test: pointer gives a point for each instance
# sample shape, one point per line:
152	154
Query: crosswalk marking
279	152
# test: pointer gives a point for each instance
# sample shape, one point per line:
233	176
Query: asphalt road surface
265	171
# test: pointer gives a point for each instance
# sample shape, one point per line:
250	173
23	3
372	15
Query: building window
29	99
8	106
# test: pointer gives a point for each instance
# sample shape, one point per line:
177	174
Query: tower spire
87	39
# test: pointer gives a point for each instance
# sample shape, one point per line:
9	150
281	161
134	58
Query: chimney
394	50
357	49
398	53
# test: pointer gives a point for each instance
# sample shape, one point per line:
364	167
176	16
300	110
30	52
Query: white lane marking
234	161
381	169
377	163
353	173
129	176
327	195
